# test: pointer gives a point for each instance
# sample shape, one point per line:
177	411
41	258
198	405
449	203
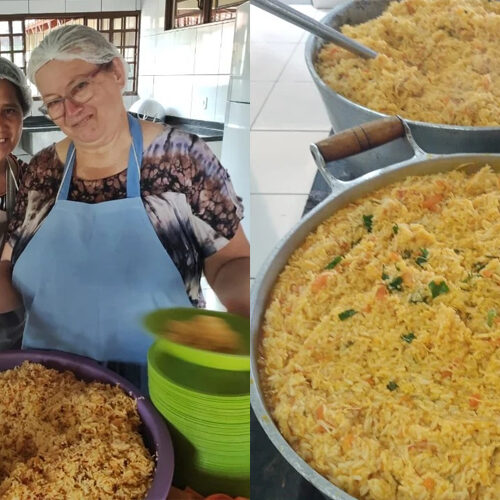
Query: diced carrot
320	429
394	256
422	445
401	193
474	401
371	381
486	82
407	278
406	399
432	201
319	282
347	441
446	373
487	273
410	8
440	182
429	483
320	412
381	292
368	308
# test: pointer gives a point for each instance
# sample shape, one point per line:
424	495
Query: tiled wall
59	6
187	70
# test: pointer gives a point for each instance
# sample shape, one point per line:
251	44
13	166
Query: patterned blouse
187	195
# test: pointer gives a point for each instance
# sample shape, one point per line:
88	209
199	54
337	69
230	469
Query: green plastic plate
155	322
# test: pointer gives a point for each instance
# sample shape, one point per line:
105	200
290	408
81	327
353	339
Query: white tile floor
287	115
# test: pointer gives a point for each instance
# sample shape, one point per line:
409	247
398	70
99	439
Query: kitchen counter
39	131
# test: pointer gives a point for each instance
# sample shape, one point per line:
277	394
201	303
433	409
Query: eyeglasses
80	93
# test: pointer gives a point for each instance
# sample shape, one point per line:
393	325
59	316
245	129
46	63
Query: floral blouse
186	192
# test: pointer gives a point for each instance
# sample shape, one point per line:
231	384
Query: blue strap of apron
133	168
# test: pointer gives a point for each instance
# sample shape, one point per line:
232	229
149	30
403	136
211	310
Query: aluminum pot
343	192
344	113
154	429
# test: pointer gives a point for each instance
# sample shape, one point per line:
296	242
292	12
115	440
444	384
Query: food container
155	433
155	322
344	113
343	193
204	396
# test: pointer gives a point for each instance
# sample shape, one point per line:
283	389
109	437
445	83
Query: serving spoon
321	30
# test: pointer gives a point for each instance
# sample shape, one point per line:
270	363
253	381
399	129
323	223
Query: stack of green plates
205	398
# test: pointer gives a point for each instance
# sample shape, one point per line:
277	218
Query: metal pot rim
279	257
310	53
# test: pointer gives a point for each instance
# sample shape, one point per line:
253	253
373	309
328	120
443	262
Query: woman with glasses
121	217
15	102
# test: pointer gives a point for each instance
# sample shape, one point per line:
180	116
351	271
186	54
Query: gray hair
73	41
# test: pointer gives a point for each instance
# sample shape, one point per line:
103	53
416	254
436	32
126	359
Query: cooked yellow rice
62	438
400	399
439	62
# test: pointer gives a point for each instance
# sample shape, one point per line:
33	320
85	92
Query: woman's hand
228	273
10	300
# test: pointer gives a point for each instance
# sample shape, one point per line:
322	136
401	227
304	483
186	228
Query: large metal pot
344	113
343	193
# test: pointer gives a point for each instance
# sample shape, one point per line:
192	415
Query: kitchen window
185	13
20	34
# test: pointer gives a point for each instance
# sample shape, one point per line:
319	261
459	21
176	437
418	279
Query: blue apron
92	271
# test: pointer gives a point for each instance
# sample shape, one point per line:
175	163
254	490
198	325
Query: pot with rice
376	333
438	67
74	429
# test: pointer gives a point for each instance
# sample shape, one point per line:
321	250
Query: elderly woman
119	218
15	101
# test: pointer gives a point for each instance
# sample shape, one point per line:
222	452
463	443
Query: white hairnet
69	42
9	71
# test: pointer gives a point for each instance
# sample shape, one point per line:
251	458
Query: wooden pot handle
358	139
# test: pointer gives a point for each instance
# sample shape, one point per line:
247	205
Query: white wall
188	69
59	6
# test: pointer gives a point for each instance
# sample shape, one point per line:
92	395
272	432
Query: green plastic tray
154	323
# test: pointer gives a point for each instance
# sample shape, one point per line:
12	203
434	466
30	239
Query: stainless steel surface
293	16
343	193
344	113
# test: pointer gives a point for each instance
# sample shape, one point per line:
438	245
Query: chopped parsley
409	337
385	276
347	314
477	266
334	262
492	314
423	257
395	229
368	222
406	254
392	386
438	288
396	284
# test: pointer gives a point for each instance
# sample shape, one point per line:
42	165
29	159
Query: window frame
208	12
86	16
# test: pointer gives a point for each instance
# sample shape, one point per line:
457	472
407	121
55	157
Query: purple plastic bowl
155	433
